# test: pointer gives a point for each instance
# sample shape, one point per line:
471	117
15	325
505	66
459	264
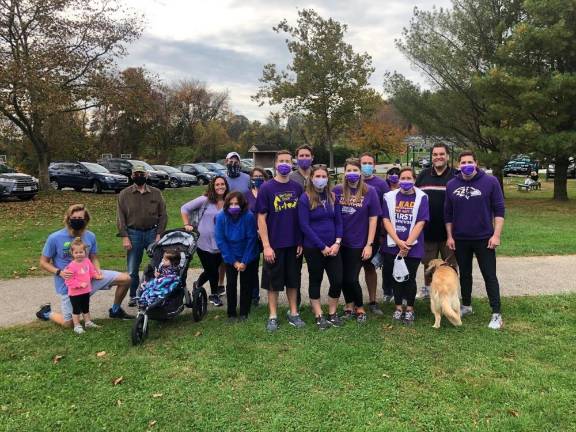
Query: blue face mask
367	170
468	169
257	182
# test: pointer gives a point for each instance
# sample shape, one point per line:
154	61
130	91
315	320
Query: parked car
177	177
551	170
85	175
157	179
14	184
201	172
521	167
215	167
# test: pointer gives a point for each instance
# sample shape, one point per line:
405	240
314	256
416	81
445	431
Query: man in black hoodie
433	182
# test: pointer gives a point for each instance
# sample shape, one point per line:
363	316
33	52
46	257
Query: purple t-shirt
279	202
251	199
356	216
380	185
403	215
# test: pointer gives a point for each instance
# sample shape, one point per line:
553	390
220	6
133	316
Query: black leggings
255	282
403	290
317	264
465	251
80	304
351	265
210	263
246	280
387	279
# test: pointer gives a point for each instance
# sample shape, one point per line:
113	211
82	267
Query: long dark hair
241	200
211	190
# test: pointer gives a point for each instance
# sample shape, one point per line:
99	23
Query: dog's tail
450	313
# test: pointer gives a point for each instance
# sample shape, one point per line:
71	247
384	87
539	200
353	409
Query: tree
53	57
327	82
533	88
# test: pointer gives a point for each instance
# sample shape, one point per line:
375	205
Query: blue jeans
140	241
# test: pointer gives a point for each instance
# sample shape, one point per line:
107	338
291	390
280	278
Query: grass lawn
215	376
535	225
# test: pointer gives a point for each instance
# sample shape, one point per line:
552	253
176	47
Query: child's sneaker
361	318
348	315
335	320
91	324
398	315
465	310
323	323
78	329
409	317
496	322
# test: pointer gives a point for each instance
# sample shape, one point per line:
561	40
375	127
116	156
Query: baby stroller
173	304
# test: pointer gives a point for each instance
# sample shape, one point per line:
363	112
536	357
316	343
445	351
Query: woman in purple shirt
405	212
360	208
321	225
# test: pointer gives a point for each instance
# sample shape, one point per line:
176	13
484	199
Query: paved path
518	277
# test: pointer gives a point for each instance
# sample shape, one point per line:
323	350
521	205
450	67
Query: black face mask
233	170
77	224
139	180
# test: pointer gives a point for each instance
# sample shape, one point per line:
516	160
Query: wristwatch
370	244
58	272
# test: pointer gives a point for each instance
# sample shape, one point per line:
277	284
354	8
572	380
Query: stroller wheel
139	329
199	303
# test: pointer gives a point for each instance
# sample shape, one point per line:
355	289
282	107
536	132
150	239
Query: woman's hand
269	255
403	246
334	249
326	251
188	228
367	253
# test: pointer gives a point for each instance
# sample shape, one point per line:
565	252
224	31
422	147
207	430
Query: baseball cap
232	154
138	168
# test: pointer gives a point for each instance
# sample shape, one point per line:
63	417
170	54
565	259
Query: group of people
365	222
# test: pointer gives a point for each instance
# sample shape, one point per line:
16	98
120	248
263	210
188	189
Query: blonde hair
73	209
79	243
313	195
362	187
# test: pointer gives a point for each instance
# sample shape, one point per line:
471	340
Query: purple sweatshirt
472	205
321	226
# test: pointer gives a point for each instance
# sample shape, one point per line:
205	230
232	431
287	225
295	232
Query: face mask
406	185
139	180
77	224
352	177
304	163
257	182
284	169
367	170
234	211
233	170
393	178
468	169
320	183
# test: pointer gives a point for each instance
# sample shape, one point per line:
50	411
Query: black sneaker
44	309
221	290
120	314
335	320
215	300
133	302
322	323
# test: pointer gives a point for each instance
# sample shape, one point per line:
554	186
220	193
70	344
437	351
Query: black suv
177	177
202	173
85	175
12	184
124	166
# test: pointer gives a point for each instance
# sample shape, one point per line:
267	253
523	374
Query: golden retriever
444	291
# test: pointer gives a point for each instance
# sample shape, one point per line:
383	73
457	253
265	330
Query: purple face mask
352	177
234	211
284	168
393	178
406	185
468	169
304	163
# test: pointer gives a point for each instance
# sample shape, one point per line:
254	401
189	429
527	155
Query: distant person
433	182
141	218
304	159
237	180
474	215
368	164
79	285
277	208
392	177
56	256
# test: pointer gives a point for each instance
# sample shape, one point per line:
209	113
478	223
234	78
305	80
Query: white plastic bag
400	271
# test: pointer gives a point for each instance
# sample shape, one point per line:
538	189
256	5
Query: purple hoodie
472	205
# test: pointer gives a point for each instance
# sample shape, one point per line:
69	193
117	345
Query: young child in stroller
166	279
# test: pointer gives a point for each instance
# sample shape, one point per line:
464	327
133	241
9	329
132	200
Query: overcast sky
225	43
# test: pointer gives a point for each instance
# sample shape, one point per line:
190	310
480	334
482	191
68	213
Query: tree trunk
497	172
43	176
560	179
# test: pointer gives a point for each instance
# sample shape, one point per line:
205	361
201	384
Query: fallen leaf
380	414
157	395
216	317
513	413
118	380
198	333
57	359
100	353
386	375
152	423
119	402
33	268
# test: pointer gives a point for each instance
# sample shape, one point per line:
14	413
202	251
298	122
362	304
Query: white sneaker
78	329
424	293
496	322
465	310
91	324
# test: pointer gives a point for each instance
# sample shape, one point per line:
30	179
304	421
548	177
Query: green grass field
215	376
535	225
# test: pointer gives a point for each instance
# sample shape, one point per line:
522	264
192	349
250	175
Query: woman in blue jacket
236	237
